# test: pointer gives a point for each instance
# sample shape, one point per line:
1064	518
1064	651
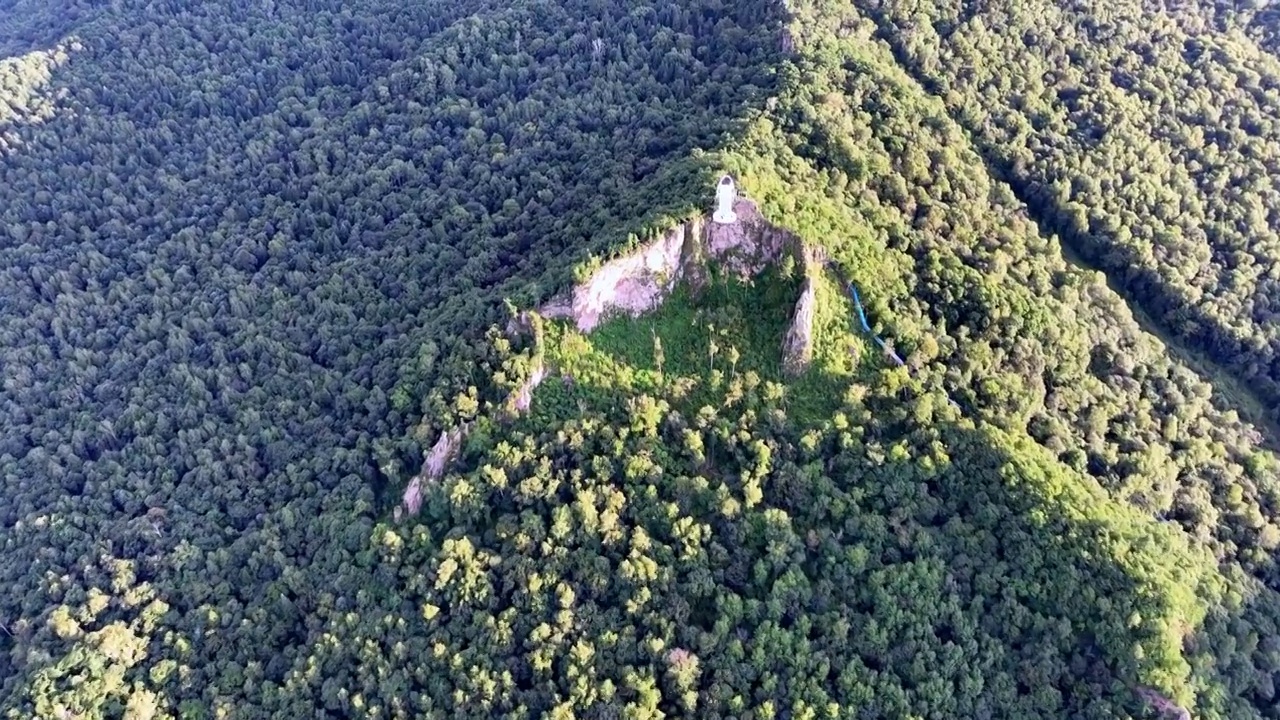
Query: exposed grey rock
797	346
433	467
633	284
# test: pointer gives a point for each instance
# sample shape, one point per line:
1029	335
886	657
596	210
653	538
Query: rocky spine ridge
638	283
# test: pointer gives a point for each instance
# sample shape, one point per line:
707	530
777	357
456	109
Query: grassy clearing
694	346
700	333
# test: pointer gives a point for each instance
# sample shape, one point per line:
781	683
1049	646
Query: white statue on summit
726	194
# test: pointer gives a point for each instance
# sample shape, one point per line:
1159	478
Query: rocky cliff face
632	284
638	283
449	444
433	466
522	398
750	245
797	346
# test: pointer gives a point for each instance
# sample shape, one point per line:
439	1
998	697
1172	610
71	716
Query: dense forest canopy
1150	143
255	259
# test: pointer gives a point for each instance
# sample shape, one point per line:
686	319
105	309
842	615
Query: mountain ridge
262	260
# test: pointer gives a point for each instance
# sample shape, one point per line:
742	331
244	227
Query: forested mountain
255	259
1148	142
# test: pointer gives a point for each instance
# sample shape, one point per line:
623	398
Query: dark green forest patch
246	226
30	26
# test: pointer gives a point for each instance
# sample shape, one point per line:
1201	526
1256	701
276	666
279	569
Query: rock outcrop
797	346
450	442
750	245
557	308
633	284
445	449
639	282
522	398
528	324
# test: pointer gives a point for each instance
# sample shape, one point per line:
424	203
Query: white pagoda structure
726	195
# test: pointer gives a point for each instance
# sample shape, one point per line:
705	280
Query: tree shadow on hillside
1083	599
1128	581
29	25
751	318
1236	654
1015	583
736	328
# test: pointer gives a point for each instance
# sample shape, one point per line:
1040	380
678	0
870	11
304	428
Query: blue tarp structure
862	316
865	326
